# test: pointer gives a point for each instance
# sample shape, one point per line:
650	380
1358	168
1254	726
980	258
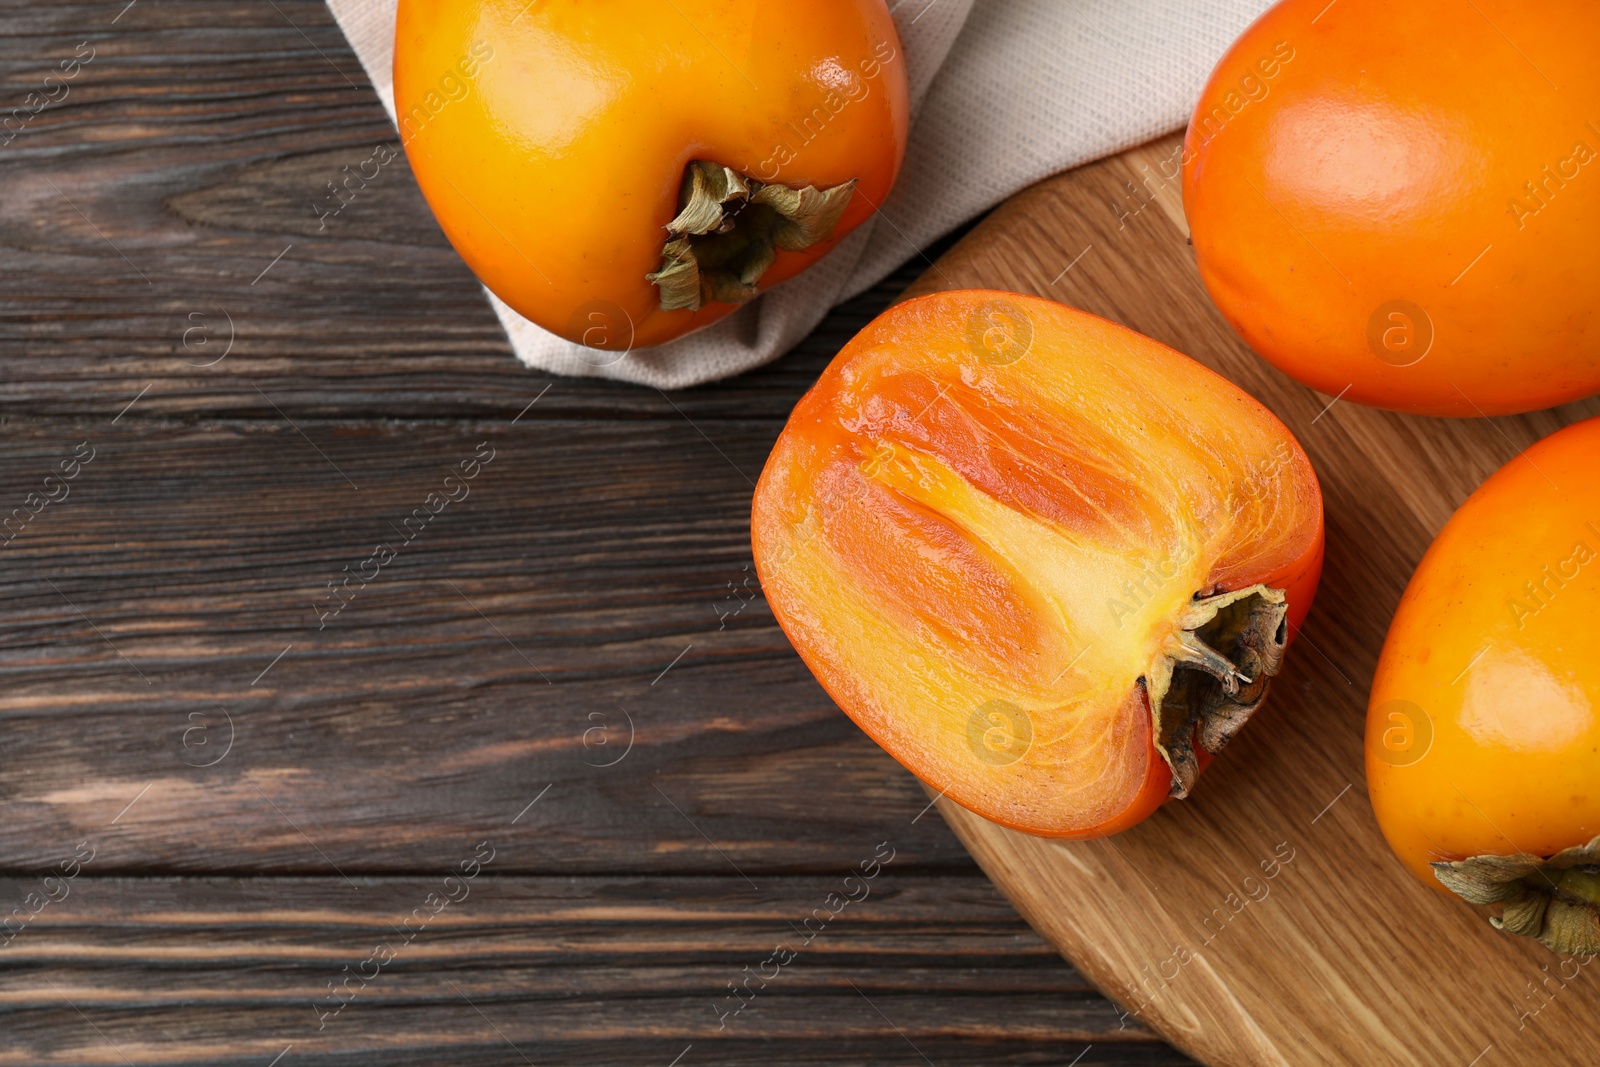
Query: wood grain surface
219	800
1263	921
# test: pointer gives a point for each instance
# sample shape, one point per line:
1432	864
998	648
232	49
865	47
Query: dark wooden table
550	786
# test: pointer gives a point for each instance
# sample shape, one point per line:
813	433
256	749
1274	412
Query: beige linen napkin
1014	89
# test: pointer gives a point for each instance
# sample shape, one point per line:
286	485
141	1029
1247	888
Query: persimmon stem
1553	899
1213	674
1185	648
730	228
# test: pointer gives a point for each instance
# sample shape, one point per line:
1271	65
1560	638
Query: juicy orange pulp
980	527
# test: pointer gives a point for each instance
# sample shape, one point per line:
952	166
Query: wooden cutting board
1264	920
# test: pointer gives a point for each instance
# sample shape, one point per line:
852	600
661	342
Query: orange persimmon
1483	732
1044	561
624	173
1399	203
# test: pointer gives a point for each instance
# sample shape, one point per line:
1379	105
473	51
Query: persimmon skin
1391	202
550	139
938	531
1483	730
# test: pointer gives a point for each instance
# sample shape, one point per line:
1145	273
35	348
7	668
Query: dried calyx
1213	674
730	228
1555	899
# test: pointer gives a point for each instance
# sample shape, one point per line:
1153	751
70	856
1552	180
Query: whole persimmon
1483	732
1399	203
1048	563
624	173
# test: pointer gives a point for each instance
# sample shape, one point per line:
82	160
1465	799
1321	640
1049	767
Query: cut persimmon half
1049	564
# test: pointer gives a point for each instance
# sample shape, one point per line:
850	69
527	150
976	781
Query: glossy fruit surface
997	528
553	139
1483	732
1400	202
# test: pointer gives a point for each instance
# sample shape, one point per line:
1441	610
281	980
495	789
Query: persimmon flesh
1483	732
1000	531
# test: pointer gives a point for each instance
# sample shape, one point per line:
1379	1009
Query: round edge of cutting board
1228	1006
